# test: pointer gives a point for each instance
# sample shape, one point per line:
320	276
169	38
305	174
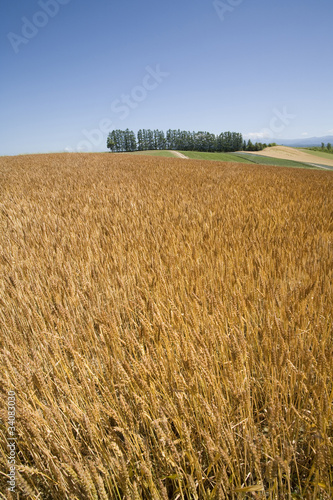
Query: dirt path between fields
180	155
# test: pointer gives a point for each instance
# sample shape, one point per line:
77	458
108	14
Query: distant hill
305	142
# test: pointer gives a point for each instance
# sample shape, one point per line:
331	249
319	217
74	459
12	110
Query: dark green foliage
258	146
121	140
328	148
124	141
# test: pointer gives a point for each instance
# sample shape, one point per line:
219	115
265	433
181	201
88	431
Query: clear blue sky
73	69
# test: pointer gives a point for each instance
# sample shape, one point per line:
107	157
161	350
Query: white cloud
257	135
305	133
330	131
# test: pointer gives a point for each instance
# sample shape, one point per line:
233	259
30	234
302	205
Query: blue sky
73	69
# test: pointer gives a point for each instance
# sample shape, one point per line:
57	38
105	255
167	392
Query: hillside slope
286	153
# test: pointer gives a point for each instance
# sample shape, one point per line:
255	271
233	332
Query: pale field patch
286	153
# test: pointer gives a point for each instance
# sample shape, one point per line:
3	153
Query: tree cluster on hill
121	140
126	141
258	146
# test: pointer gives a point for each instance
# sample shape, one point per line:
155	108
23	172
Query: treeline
327	149
258	146
126	141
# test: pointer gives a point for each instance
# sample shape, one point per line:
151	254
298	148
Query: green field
267	160
245	158
199	155
321	154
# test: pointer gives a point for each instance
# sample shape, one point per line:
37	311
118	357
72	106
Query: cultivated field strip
166	326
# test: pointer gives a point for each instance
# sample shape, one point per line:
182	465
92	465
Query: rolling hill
287	153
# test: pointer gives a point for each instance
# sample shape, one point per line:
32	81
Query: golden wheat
166	326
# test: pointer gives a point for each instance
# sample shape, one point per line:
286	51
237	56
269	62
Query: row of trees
258	146
327	149
125	140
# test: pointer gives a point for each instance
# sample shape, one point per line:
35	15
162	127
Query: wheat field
166	326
